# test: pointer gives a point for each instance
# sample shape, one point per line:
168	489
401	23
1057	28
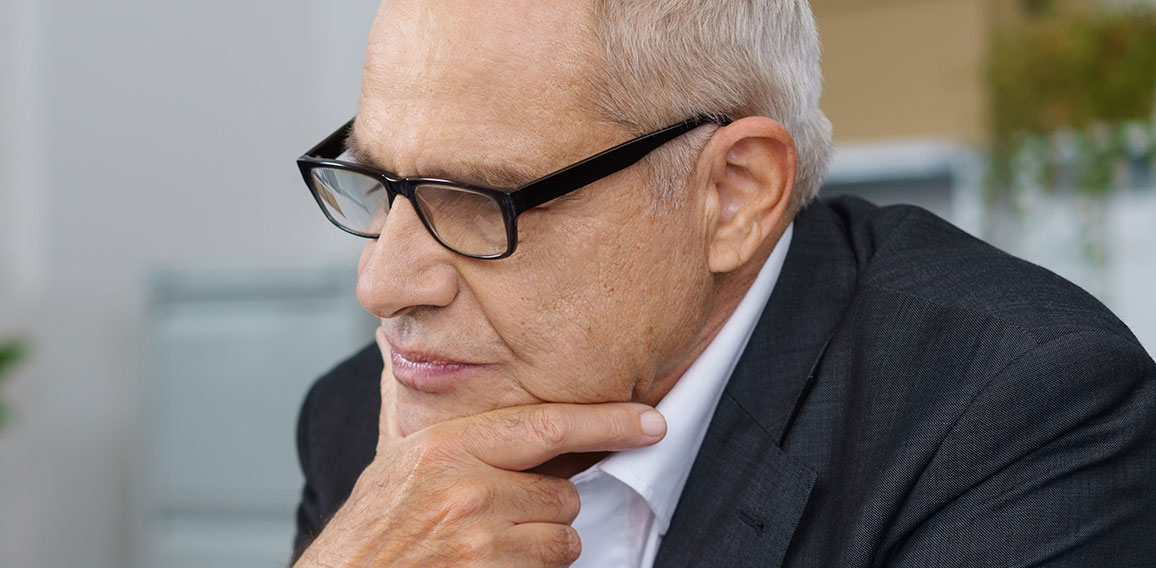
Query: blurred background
168	289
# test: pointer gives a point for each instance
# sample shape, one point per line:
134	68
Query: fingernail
653	423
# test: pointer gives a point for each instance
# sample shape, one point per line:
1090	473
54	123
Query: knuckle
560	497
624	426
547	427
567	546
465	502
568	499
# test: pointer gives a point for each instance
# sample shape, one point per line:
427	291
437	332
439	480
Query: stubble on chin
389	422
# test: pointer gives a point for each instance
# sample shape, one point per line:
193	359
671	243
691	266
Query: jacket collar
745	495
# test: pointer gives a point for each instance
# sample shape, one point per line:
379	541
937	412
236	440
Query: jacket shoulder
336	438
908	250
351	384
965	395
340	415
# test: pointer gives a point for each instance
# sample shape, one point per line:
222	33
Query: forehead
458	81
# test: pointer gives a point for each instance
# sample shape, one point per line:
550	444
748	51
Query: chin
414	416
410	419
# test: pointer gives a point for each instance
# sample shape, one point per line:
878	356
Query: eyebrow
495	176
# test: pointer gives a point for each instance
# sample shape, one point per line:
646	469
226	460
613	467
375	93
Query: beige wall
904	68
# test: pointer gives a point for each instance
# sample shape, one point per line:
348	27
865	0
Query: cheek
652	294
552	309
601	319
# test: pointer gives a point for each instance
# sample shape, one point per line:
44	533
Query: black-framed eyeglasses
474	221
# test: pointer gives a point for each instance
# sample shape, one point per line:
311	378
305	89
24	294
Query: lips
422	370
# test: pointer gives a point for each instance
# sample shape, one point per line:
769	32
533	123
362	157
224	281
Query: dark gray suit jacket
910	397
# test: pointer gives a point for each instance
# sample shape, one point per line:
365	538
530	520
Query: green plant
11	353
1078	72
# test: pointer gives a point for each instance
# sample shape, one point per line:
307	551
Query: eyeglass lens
466	221
354	201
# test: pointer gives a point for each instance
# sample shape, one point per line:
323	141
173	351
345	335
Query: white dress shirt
629	497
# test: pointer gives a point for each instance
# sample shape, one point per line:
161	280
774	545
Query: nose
405	267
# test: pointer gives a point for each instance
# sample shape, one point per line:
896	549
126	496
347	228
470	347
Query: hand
457	493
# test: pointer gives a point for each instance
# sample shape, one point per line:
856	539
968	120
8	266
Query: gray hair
669	60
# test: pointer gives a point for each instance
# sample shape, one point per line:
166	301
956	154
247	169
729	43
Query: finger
522	437
535	498
542	544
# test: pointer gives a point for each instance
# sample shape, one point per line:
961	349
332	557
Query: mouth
424	370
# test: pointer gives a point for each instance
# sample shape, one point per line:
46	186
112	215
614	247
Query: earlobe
752	167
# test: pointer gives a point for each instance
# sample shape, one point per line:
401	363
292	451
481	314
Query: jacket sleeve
1052	464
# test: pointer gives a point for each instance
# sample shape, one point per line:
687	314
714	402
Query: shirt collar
658	473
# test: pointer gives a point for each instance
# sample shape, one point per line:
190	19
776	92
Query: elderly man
664	353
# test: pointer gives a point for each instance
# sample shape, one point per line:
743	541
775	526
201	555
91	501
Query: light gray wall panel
232	354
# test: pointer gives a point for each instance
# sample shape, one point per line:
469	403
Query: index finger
522	437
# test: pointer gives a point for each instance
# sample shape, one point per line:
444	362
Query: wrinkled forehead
495	76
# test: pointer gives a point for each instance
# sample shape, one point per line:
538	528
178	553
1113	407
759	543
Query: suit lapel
742	501
745	495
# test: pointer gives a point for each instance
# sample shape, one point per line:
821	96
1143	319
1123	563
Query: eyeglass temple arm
567	179
606	163
334	145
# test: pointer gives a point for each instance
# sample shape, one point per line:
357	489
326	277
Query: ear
747	174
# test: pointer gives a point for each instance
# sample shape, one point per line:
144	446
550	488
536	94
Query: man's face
604	299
